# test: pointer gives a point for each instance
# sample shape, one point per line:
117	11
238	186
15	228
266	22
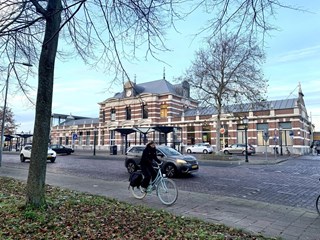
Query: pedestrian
148	156
318	149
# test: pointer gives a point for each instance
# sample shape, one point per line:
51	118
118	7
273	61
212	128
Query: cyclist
149	154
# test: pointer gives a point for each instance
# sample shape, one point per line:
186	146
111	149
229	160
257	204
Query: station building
165	112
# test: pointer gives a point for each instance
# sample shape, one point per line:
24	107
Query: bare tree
30	30
9	123
227	72
102	31
252	18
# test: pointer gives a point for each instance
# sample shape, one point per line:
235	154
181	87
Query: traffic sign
74	136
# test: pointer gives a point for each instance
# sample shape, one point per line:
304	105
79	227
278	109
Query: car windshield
170	151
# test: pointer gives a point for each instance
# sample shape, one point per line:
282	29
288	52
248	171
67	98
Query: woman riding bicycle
149	154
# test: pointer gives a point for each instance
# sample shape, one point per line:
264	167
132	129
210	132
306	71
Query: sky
292	57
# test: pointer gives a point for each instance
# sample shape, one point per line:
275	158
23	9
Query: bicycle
318	203
166	189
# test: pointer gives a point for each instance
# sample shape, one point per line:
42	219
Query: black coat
149	154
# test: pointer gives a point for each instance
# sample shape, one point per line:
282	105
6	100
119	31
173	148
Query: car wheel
226	152
68	153
52	160
205	151
131	167
22	158
188	151
170	170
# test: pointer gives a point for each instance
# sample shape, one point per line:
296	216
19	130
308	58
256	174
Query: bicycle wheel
318	204
137	193
167	191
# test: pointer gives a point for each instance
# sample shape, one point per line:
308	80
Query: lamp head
245	120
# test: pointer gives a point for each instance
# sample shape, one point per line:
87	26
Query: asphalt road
294	182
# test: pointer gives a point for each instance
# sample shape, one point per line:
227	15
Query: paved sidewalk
256	217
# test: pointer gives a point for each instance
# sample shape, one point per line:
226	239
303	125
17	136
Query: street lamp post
22	140
94	140
10	66
280	140
245	122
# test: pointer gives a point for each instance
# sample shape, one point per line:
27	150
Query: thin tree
9	122
228	71
30	31
99	30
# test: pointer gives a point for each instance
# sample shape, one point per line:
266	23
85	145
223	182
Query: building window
112	137
262	129
113	114
241	134
102	138
88	138
164	110
128	113
144	111
285	134
80	138
162	138
103	116
206	133
190	135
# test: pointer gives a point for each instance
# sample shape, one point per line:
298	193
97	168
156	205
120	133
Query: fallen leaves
73	215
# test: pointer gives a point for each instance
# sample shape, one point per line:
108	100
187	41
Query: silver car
200	148
174	162
239	148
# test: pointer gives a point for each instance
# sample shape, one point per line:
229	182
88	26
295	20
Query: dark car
60	149
174	163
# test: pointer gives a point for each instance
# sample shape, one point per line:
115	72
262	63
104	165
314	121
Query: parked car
200	148
239	148
61	149
25	153
174	162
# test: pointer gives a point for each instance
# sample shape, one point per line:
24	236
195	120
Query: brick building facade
166	113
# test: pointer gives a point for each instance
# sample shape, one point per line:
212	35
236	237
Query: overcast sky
292	57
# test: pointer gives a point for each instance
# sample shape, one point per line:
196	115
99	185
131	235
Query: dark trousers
148	173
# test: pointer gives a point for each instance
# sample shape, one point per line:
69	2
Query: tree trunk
37	171
218	126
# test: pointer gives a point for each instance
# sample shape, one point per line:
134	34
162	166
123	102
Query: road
292	183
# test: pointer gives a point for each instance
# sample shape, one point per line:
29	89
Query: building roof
261	106
154	87
73	122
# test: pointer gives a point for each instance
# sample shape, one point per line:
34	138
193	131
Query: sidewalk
257	217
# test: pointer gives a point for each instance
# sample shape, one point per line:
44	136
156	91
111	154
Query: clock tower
129	89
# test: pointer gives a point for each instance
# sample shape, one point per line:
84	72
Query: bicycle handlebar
158	165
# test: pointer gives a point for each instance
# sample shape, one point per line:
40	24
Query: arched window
113	114
163	110
144	111
128	113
